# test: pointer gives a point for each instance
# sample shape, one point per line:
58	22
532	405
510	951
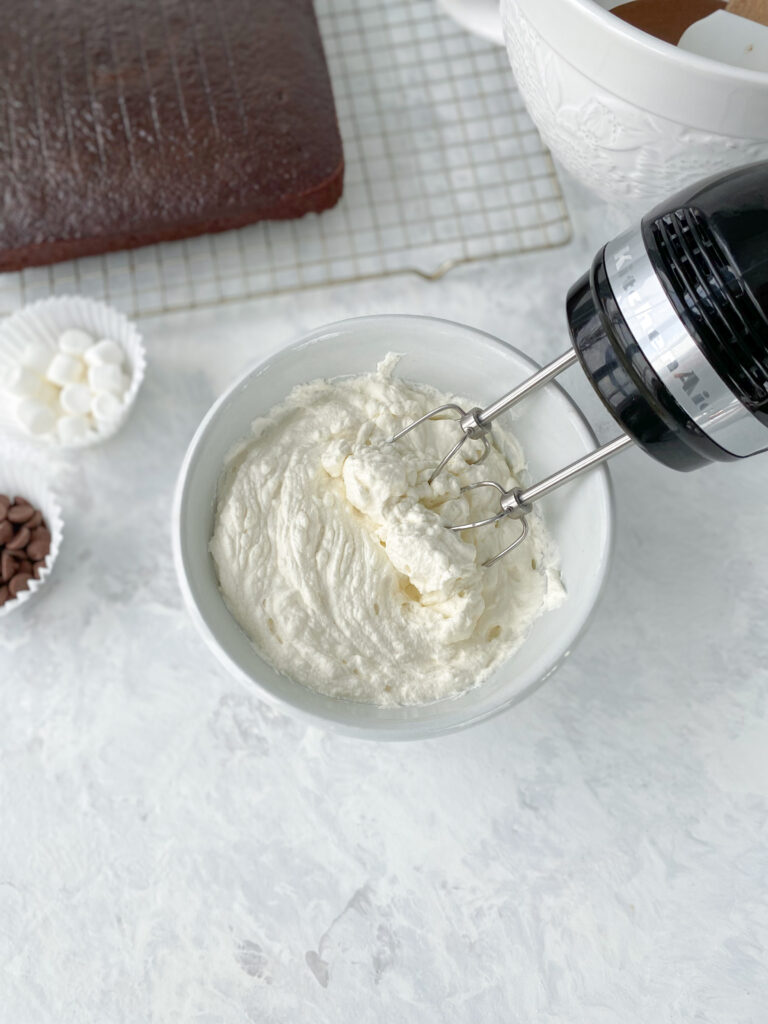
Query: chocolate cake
125	122
666	19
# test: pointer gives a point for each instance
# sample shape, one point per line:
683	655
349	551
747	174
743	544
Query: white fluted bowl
44	321
22	475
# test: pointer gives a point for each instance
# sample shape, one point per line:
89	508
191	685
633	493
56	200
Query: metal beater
670	325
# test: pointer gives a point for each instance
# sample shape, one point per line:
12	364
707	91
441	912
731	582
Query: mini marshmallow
65	369
74	341
36	356
107	377
21	381
76	399
105	407
73	429
104	351
34	416
49	394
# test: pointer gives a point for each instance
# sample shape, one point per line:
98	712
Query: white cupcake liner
27	481
44	321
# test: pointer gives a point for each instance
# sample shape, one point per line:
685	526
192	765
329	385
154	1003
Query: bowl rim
410	731
659	47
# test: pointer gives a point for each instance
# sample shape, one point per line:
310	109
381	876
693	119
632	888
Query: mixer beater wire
476	423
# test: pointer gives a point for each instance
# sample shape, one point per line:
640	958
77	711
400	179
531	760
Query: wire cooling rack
443	165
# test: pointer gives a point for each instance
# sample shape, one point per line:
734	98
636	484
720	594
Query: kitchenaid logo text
643	319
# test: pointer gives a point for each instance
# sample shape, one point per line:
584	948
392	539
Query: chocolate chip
25	542
38	549
20	513
20	540
19	582
7	566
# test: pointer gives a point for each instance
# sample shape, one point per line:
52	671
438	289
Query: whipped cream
333	555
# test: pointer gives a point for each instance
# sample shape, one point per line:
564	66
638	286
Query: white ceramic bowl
629	115
455	359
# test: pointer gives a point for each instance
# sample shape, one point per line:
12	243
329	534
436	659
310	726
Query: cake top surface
138	112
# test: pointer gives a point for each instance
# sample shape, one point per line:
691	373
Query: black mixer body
670	323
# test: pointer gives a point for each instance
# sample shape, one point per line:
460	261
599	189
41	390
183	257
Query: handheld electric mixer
670	325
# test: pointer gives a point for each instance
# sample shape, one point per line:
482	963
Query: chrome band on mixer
675	357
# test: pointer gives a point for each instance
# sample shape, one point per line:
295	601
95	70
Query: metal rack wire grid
443	166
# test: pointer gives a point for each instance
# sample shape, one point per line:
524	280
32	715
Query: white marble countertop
173	850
